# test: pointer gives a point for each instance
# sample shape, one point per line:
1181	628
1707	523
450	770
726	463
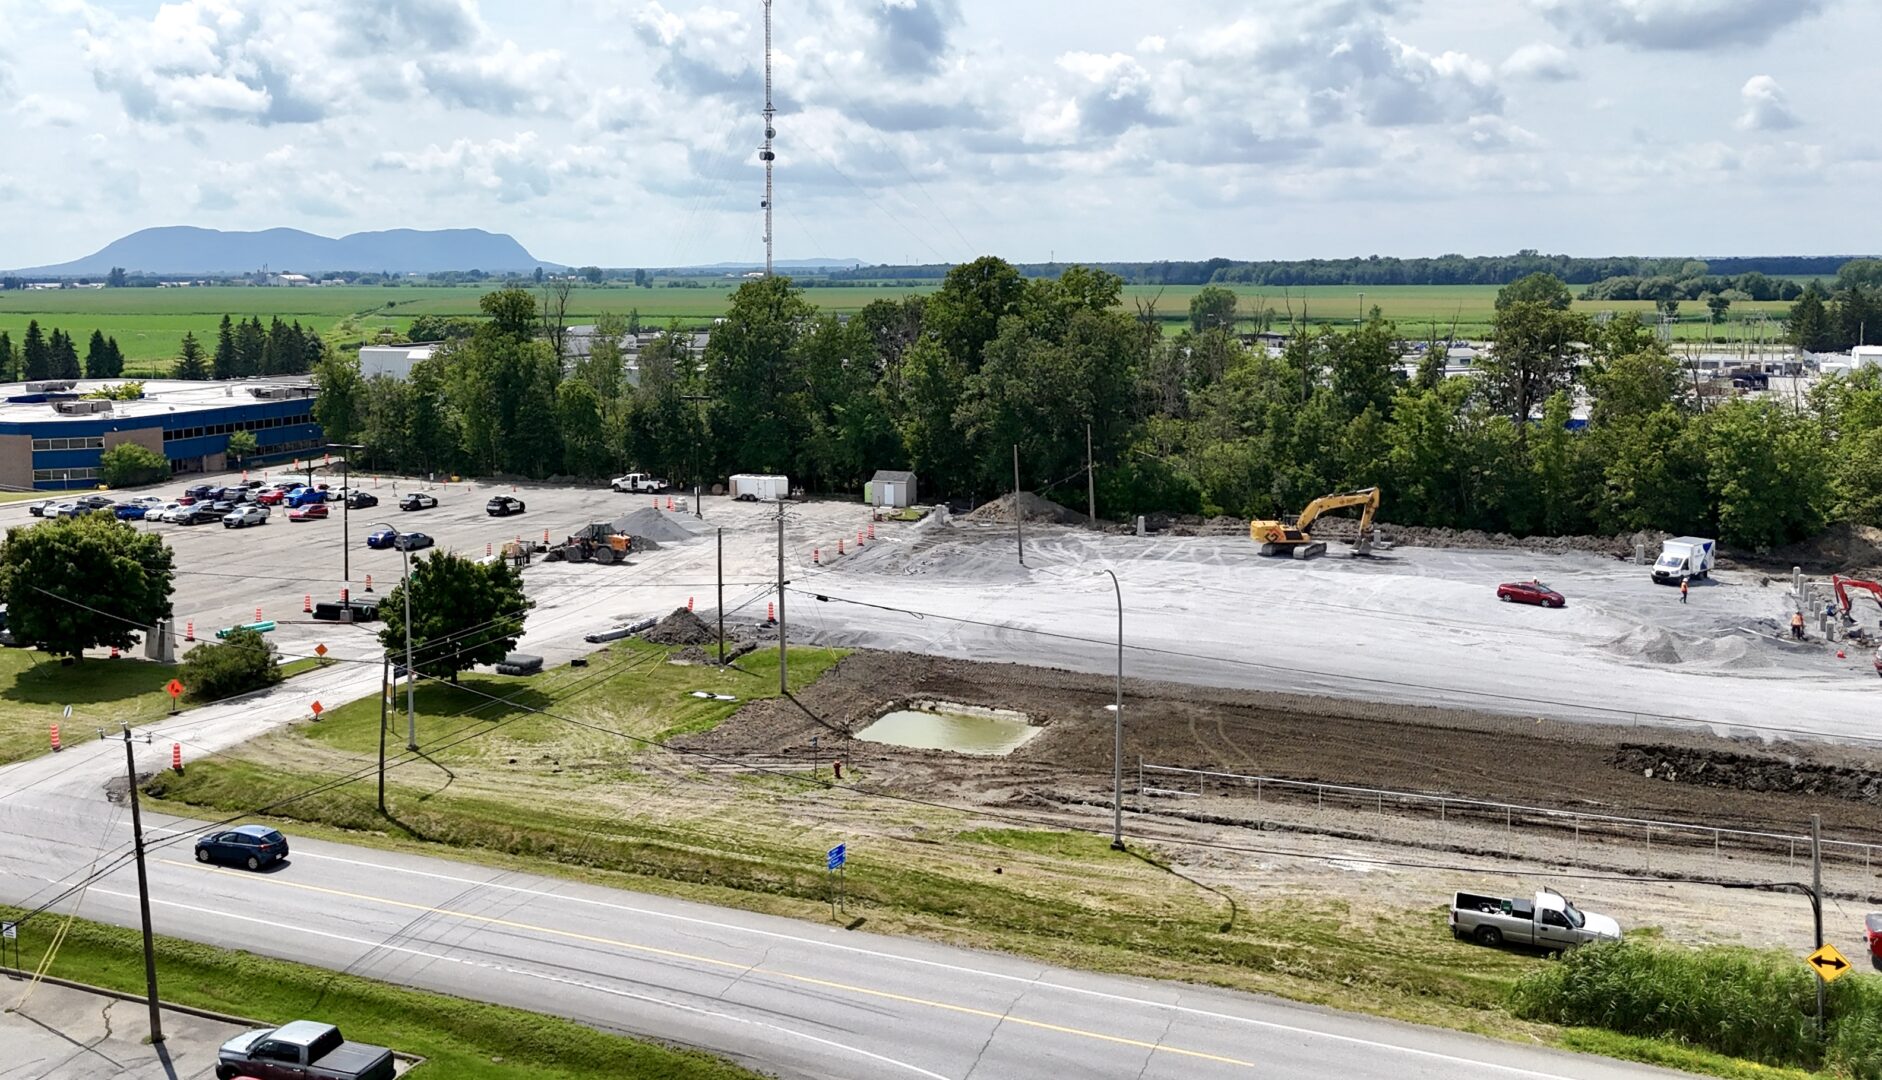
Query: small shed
890	487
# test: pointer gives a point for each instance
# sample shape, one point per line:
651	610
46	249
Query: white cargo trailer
757	487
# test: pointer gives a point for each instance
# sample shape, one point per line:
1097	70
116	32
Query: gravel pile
1032	509
681	628
650	524
1748	772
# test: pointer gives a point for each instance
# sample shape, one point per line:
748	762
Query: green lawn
149	323
460	1040
35	688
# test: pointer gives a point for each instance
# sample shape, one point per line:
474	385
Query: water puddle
961	729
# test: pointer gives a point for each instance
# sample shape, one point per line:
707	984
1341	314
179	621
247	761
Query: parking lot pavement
60	1033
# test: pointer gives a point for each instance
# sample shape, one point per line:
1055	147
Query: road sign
317	708
174	688
1829	964
320	650
66	712
10	931
837	856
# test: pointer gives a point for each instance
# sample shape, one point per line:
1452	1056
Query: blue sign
837	855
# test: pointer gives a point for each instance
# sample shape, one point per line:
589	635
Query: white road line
956	968
918	1070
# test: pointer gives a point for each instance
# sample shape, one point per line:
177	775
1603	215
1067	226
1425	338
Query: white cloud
1678	25
43	110
1766	106
269	63
513	170
1540	61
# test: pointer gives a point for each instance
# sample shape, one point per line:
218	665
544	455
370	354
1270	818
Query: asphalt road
796	998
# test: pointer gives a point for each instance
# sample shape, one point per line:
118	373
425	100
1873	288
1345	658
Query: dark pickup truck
301	1050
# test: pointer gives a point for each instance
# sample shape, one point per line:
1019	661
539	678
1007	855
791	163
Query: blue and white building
52	436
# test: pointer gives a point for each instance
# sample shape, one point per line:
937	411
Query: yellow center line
964	1010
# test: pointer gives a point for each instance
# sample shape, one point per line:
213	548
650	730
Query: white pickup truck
641	483
1547	922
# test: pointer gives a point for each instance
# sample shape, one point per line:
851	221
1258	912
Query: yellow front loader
1292	538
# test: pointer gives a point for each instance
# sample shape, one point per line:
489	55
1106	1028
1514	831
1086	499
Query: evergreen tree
9	362
97	357
226	364
313	352
249	341
64	356
117	357
1809	324
35	359
190	363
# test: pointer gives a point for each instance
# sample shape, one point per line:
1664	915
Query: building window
64	474
91	442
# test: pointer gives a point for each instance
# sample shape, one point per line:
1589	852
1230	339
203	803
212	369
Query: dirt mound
680	628
650	524
1032	510
1854	550
1747	772
1621	547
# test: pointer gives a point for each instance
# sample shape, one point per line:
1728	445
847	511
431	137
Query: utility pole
1019	532
721	597
385	696
784	678
411	673
143	891
1816	901
1117	736
1091	482
765	154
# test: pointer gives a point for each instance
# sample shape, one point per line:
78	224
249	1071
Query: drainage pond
961	729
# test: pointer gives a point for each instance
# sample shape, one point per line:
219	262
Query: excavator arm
1366	497
1842	585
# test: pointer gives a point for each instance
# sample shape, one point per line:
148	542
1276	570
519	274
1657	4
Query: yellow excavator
1292	538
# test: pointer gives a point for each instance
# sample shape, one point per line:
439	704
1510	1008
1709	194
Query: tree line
41	356
1200	422
247	348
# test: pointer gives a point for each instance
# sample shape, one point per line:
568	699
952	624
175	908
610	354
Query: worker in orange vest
1683	589
1797	625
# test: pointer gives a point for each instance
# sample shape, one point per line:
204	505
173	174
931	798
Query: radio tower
764	154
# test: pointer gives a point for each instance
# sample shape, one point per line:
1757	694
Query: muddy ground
1662	773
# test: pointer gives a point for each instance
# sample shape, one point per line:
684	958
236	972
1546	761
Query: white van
1683	557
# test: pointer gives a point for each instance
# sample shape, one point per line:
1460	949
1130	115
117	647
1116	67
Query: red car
1530	592
308	512
273	496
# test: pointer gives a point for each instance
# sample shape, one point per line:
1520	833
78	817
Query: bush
244	661
1747	1003
129	465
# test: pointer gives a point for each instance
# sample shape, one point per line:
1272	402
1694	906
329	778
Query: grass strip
460	1040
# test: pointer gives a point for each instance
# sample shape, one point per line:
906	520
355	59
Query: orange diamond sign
174	689
320	650
317	709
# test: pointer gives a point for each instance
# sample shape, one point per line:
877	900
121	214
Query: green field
150	323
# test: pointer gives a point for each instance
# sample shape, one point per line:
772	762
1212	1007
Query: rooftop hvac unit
82	407
50	386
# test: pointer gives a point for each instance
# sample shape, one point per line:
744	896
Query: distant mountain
184	250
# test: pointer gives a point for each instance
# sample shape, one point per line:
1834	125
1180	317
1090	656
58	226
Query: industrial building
52	436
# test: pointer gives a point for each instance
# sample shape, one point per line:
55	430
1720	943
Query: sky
625	132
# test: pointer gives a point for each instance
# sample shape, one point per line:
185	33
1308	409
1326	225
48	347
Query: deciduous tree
80	583
463	614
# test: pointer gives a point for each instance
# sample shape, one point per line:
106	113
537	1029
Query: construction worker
1683	587
1797	625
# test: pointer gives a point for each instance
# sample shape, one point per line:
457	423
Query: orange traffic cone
189	631
307	606
368	582
257	614
345	595
816	556
55	739
545	536
669	502
839	545
771	613
872	530
176	756
859	538
114	652
486	547
689	603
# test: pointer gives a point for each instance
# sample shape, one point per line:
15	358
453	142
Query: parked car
66	510
244	516
231	494
305	497
309	512
1530	592
200	514
200	491
96	502
167	512
360	500
418	500
380	538
127	511
273	496
39	509
503	506
301	1050
1548	922
253	846
221	509
6	630
412	541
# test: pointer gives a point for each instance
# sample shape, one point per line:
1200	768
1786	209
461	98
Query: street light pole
346	506
1117	718
411	674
